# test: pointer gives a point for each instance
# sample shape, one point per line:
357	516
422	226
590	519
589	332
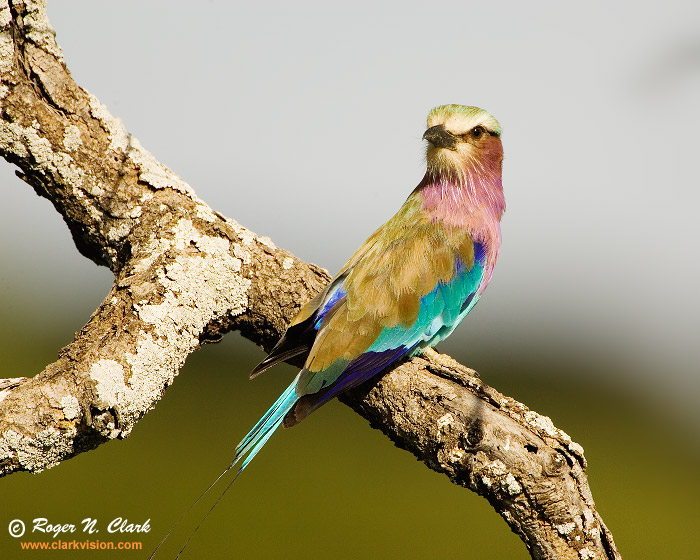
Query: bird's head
462	141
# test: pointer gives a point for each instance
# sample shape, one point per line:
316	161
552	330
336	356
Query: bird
405	289
408	286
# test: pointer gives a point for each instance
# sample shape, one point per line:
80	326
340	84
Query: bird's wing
409	289
299	336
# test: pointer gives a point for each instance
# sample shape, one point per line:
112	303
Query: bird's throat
471	200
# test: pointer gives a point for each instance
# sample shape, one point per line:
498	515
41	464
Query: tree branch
184	275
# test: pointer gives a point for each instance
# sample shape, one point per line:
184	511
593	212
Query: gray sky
303	122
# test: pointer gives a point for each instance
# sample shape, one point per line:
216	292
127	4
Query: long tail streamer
246	450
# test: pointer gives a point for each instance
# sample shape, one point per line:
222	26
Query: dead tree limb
184	275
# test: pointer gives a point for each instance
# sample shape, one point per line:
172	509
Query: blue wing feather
334	295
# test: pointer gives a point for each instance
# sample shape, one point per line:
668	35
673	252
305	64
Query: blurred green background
277	112
334	488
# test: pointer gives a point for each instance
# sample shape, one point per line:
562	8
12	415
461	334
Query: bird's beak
440	137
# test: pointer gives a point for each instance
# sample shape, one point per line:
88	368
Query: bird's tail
266	426
246	450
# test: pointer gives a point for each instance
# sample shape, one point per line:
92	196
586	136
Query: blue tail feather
266	426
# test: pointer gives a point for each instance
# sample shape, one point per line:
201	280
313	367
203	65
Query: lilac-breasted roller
411	282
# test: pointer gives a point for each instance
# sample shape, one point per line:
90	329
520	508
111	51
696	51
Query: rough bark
184	275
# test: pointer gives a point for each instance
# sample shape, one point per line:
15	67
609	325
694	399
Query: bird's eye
477	132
